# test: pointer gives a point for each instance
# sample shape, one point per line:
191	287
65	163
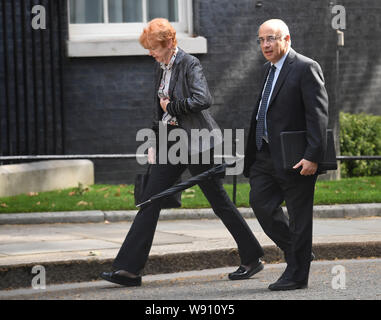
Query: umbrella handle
143	203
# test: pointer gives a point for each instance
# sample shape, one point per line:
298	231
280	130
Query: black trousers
134	252
292	234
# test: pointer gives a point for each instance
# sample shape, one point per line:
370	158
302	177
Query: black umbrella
218	171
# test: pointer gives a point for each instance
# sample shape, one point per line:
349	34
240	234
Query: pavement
354	279
77	246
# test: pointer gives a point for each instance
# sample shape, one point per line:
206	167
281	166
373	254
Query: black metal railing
131	156
134	156
348	158
70	157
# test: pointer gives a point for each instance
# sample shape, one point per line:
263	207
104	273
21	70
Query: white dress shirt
164	86
278	66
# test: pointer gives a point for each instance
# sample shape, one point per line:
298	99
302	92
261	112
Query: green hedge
360	135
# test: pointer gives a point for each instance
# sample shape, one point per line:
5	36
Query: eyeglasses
269	39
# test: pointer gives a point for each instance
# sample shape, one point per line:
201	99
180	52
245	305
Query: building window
112	27
116	17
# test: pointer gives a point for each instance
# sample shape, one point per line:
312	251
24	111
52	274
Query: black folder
293	145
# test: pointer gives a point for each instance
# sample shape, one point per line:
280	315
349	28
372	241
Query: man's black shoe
244	272
122	277
284	284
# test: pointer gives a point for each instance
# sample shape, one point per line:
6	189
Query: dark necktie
263	109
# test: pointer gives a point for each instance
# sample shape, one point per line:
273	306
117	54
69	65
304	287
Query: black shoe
284	284
246	272
121	277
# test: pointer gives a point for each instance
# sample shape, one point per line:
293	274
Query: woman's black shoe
246	272
121	277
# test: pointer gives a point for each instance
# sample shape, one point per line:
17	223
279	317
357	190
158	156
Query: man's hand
308	168
163	103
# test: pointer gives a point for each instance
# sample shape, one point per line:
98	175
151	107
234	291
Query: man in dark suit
292	98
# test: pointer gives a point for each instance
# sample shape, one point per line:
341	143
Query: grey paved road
335	280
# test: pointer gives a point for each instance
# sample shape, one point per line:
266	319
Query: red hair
160	31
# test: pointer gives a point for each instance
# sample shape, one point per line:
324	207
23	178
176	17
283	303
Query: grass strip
121	197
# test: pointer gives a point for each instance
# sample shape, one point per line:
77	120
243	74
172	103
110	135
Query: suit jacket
190	100
299	102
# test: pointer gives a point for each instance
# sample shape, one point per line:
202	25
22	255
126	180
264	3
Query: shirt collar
281	61
170	64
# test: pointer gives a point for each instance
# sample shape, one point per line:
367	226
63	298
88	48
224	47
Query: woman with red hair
182	100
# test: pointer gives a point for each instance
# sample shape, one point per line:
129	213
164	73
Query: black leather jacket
190	98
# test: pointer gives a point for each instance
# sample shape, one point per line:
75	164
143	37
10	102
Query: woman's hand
163	103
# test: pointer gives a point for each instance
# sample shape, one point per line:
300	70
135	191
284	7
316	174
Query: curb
20	276
322	211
